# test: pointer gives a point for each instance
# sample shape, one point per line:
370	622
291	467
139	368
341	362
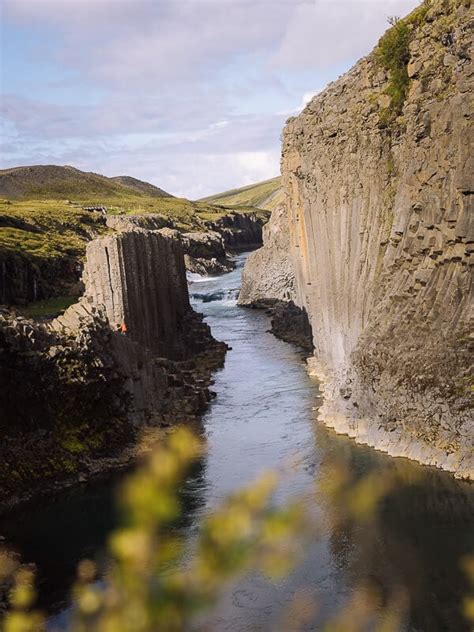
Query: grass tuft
393	55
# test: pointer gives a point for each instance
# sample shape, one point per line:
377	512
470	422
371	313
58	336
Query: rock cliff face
240	231
43	243
139	279
268	282
269	273
23	280
380	211
136	277
204	251
78	392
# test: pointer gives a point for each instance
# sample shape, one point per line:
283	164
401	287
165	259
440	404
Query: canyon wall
139	278
239	231
78	392
42	252
269	272
379	197
268	282
136	277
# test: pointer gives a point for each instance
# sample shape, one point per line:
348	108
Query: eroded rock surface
381	236
269	273
78	391
240	231
381	232
138	277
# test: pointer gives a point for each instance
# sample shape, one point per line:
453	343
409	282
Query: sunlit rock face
380	228
269	273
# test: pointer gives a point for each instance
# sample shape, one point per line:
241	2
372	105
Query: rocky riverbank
268	282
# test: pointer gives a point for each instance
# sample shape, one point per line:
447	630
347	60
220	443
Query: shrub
393	55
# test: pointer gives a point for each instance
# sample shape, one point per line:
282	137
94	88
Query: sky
190	95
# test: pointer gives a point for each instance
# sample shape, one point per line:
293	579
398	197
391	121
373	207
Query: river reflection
406	556
410	549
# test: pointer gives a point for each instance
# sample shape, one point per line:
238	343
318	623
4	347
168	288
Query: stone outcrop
207	249
269	273
291	324
204	252
268	282
380	211
77	391
240	231
138	277
148	221
63	405
39	272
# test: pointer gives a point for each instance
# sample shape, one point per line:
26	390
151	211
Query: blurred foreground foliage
156	582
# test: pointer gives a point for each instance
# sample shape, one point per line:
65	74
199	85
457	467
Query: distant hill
141	187
56	182
265	195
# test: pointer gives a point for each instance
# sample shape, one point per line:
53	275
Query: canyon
374	243
50	213
126	311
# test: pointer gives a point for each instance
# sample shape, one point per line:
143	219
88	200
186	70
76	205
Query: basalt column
378	227
138	278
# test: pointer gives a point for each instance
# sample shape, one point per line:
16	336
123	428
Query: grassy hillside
54	182
40	191
139	186
49	228
266	195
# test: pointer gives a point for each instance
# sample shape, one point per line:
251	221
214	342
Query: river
408	552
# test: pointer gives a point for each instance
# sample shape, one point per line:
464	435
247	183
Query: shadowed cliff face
139	278
240	231
80	392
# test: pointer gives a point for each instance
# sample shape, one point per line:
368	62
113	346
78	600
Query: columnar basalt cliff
79	390
379	194
204	251
49	213
139	278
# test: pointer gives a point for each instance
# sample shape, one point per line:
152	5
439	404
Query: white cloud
329	32
188	88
